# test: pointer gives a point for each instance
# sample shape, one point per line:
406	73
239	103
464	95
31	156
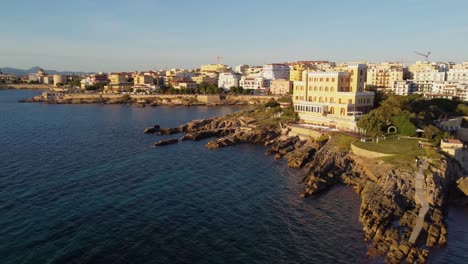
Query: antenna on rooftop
218	59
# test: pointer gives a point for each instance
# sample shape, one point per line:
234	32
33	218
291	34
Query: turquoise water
83	184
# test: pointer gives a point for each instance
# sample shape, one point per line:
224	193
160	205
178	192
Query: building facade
457	75
404	88
384	75
227	80
281	86
333	99
253	83
275	71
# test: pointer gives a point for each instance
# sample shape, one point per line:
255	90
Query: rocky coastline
388	210
151	100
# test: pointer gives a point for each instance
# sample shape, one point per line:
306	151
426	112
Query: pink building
281	86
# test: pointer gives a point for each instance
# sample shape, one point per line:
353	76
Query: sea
83	184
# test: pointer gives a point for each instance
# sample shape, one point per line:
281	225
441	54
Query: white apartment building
404	88
254	83
457	75
227	80
275	71
429	76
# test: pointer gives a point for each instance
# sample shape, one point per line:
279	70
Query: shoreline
389	207
151	100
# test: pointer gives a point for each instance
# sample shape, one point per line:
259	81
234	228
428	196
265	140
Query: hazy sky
137	35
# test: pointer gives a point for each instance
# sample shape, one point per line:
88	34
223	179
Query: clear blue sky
137	35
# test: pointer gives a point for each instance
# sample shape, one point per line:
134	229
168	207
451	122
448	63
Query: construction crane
424	55
218	58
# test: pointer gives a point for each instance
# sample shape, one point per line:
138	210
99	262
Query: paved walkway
420	198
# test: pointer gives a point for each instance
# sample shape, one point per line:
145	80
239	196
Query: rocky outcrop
166	142
462	185
388	210
152	130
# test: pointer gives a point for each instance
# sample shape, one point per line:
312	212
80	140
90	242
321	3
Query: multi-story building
191	85
384	75
297	68
253	83
333	99
421	66
275	71
143	80
60	79
281	86
404	88
117	78
458	75
425	79
205	78
253	70
214	67
228	79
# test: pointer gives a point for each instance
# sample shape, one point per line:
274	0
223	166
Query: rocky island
403	204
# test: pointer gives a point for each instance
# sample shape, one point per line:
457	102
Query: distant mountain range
14	71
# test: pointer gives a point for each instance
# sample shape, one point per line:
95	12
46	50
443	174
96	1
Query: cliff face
395	203
388	211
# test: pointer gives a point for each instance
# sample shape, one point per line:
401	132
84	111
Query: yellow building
420	66
141	80
205	79
116	78
333	99
384	75
214	67
295	74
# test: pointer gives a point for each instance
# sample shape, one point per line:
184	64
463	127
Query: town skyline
110	36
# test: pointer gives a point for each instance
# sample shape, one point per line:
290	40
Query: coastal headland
403	203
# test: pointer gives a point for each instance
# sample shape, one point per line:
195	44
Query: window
333	79
326	89
327	79
350	101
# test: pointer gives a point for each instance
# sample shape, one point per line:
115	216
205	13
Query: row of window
317	109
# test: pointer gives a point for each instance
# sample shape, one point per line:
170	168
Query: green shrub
272	104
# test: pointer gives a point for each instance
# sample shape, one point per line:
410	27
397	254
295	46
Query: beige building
60	79
142	80
186	85
116	78
385	75
281	86
214	67
420	66
199	79
334	99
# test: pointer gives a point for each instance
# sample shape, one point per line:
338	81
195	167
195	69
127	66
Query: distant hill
14	71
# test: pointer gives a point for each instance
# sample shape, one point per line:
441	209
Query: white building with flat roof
227	80
275	71
254	83
457	75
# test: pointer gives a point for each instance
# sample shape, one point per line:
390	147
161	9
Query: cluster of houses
431	79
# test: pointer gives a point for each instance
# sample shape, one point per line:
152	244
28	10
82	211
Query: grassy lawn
392	146
404	150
